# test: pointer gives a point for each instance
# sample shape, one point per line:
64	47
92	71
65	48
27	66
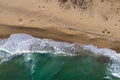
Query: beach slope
94	22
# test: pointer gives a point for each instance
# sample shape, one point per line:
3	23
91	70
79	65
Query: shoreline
96	22
59	34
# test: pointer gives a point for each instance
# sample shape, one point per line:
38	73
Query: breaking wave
21	43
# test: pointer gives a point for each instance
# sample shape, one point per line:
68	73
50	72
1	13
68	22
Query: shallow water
54	67
23	57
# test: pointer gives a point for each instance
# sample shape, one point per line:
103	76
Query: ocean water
53	67
23	57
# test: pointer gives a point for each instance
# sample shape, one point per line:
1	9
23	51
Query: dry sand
94	22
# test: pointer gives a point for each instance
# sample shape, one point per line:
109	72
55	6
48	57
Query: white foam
114	66
116	75
30	62
23	43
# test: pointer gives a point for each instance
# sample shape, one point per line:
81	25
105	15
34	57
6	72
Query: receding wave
22	43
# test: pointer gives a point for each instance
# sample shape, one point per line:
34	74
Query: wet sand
61	35
96	22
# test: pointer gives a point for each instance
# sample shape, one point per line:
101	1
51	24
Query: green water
53	67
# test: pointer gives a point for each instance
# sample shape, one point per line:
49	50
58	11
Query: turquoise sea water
54	67
24	57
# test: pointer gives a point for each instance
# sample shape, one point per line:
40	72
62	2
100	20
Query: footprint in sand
116	26
20	21
106	31
32	21
102	0
118	20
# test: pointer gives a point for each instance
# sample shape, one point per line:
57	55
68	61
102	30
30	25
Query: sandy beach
94	22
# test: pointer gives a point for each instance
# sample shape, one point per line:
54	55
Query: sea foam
17	44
